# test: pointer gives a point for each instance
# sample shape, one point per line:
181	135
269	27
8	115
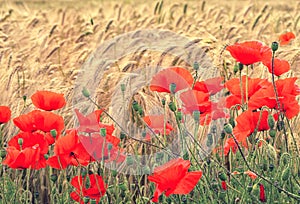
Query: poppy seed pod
172	106
85	92
274	46
196	66
172	88
271	121
228	129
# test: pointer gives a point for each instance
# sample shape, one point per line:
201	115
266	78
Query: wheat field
43	45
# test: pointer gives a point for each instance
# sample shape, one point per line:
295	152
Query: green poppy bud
274	46
196	66
232	122
123	87
109	146
235	69
85	92
271	121
123	186
83	172
122	135
53	133
223	134
228	129
280	125
129	160
20	141
222	176
135	105
172	88
114	173
146	170
272	133
103	132
86	200
93	201
249	188
179	115
163	102
53	178
172	106
3	153
87	182
241	66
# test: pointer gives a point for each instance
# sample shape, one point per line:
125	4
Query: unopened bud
85	92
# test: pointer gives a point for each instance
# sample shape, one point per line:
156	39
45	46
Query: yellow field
44	44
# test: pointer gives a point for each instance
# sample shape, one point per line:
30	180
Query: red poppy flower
262	195
101	149
196	101
174	178
286	38
249	52
211	85
180	76
95	188
287	91
230	145
233	86
280	66
224	185
40	121
5	114
68	150
48	100
28	155
247	123
251	174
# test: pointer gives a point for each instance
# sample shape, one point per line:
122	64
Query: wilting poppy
68	150
94	187
174	178
280	66
181	77
249	52
247	123
285	38
251	174
48	100
29	153
5	114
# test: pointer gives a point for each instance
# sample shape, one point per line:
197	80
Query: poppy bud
53	133
222	176
274	46
272	133
46	156
271	167
83	172
86	200
87	182
146	170
223	134
135	105
228	129
123	186
213	129
24	98
129	160
196	66
85	92
20	141
163	102
123	87
235	69
172	106
144	134
172	88
179	115
114	173
271	121
141	112
285	174
93	201
109	146
241	66
159	155
53	178
103	132
122	135
2	153
249	188
196	115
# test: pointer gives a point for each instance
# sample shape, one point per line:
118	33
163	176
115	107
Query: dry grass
44	45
